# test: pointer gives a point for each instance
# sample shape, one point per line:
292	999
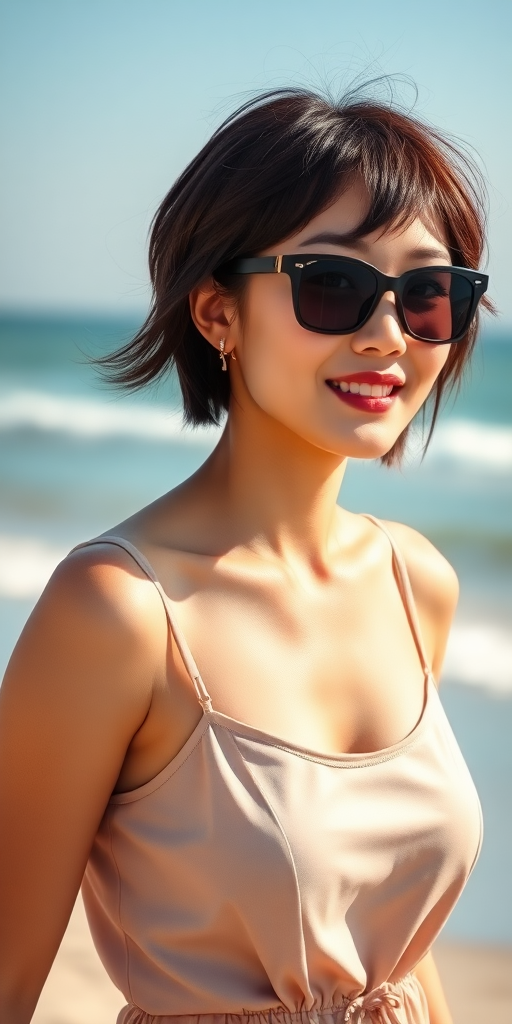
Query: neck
273	491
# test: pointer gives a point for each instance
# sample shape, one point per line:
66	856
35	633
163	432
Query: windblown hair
273	165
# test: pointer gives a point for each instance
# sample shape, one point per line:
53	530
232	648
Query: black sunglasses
337	294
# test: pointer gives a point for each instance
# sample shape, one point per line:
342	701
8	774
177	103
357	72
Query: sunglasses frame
294	266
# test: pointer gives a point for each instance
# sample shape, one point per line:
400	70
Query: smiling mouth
367	395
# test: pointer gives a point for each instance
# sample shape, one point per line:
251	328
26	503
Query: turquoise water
74	459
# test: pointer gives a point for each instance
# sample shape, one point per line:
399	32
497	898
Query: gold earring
232	355
222	343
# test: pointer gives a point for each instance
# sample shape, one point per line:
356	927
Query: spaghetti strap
407	594
181	643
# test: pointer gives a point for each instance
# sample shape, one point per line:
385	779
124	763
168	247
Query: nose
382	333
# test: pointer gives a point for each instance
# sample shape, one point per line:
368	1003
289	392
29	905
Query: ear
212	314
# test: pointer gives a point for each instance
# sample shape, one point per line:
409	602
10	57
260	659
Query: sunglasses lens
336	297
437	304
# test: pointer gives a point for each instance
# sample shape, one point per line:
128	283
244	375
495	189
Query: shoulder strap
190	665
406	592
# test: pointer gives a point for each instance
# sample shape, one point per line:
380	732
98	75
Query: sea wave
93	418
467	441
479	653
486	446
26	564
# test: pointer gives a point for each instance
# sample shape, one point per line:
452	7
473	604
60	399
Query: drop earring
222	343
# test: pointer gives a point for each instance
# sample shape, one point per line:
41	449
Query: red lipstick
369	390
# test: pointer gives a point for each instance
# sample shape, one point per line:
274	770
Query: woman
278	829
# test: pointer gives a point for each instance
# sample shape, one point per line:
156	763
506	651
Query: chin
366	443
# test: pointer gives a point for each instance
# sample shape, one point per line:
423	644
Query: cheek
427	362
280	359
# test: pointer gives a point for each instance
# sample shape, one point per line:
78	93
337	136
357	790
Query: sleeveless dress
254	881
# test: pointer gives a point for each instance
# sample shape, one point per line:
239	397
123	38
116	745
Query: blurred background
104	102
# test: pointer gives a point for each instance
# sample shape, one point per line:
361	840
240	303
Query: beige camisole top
256	880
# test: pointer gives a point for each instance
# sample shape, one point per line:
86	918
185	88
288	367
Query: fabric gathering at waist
401	1002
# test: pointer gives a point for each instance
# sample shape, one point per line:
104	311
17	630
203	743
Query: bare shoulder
98	628
432	576
104	583
435	587
433	579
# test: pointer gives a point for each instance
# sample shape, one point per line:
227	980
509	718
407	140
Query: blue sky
104	101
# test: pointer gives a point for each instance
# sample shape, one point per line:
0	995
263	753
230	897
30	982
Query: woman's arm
77	688
428	977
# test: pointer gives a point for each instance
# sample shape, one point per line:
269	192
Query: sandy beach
477	980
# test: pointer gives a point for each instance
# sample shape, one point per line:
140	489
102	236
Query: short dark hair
275	163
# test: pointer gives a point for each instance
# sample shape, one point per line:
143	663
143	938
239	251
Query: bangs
408	170
300	153
399	187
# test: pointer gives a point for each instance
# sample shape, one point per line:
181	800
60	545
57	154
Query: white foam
94	418
480	654
26	564
485	445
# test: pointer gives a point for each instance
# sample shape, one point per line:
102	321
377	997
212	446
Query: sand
477	980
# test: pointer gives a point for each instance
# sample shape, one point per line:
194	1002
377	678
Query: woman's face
297	377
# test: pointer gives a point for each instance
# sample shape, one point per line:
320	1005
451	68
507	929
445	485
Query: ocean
75	459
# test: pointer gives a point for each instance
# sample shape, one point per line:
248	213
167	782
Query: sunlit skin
287	600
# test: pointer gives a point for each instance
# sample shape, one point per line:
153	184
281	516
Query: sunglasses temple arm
254	265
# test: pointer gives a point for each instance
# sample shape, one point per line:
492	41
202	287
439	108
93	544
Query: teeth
367	390
381	390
